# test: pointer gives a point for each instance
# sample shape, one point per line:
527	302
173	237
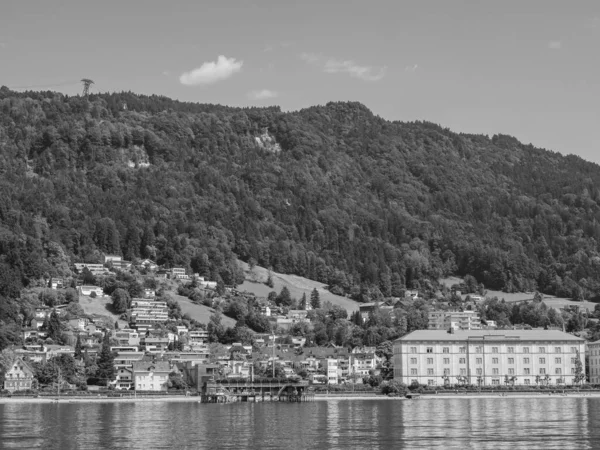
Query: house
123	378
156	344
78	324
298	315
178	273
147	264
87	290
163	274
459	320
149	293
19	377
112	259
41	312
367	308
95	269
57	283
151	376
198	337
265	310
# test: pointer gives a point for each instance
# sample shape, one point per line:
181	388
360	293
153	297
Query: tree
55	330
120	300
215	328
315	300
106	368
303	301
579	374
78	348
269	281
284	298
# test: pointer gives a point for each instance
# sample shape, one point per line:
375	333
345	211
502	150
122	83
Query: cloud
263	94
555	45
332	65
211	72
412	68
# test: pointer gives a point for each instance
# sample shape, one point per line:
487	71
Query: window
526	381
494	349
446	350
495	371
446	360
479	371
413	349
558	371
429	360
573	360
557	350
572	370
495	381
542	350
413	360
477	349
429	349
511	371
542	360
511	360
446	371
526	371
557	360
525	360
510	349
494	360
462	360
463	371
525	349
413	371
478	361
431	382
462	349
573	349
429	371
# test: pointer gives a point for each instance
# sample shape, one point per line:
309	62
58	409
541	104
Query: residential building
197	337
127	337
178	273
78	324
19	377
363	360
148	264
149	293
87	290
112	259
367	308
151	376
156	344
146	313
331	368
458	320
488	357
265	310
594	361
95	269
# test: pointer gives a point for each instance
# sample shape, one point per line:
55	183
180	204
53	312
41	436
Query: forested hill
333	193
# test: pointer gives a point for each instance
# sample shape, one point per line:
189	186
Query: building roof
149	366
462	335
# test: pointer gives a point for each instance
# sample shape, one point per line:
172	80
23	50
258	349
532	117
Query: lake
515	423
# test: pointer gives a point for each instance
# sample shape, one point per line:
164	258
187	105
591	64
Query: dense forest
333	193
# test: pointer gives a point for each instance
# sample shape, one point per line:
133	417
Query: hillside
330	193
256	278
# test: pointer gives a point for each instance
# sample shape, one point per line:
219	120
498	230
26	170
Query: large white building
459	320
488	357
594	361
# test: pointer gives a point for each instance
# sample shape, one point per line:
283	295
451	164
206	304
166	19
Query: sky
529	69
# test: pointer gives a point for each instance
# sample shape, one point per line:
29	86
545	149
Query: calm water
544	423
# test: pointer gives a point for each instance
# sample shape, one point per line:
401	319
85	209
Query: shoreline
320	398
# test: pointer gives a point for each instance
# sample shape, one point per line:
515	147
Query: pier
258	391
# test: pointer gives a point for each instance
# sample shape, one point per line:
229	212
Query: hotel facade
488	357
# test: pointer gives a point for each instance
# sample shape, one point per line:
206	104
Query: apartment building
178	273
594	361
458	320
488	357
145	313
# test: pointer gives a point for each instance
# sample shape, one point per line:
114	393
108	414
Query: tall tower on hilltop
86	86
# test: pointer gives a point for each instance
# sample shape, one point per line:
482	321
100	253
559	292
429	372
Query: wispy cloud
412	68
555	45
211	72
278	45
332	65
262	94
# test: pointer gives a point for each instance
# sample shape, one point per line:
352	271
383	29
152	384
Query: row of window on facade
495	381
526	360
495	371
494	350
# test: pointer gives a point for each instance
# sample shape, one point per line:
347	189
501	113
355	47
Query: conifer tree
55	328
315	299
303	302
106	369
78	348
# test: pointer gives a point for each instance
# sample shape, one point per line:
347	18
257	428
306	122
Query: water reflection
541	422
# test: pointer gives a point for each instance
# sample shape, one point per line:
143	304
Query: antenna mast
86	86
